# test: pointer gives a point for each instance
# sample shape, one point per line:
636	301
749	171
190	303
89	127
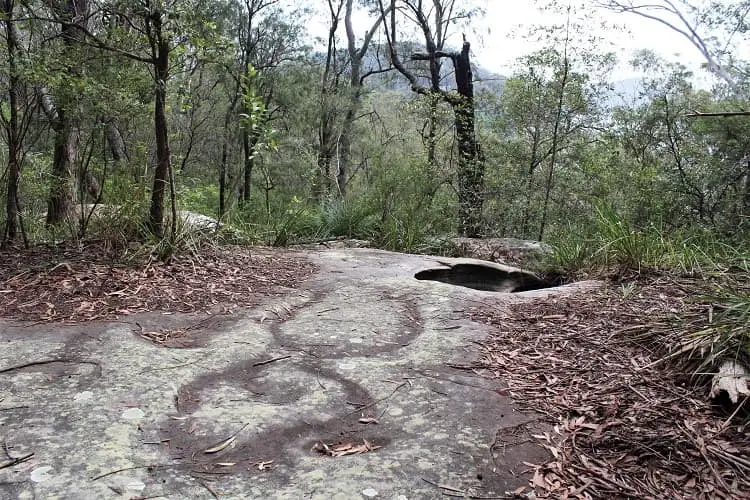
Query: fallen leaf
217	448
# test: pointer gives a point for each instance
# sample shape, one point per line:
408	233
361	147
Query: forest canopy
380	125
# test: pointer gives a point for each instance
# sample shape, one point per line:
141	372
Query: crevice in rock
488	278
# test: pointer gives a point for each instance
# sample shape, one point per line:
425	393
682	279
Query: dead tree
470	171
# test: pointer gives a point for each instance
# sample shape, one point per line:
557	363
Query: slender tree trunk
327	140
431	136
224	159
322	185
555	141
345	153
12	126
249	145
161	174
470	161
530	182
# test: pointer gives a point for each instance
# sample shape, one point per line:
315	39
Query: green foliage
255	119
675	188
348	219
726	336
197	196
613	243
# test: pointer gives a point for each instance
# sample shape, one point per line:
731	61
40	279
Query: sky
501	41
498	36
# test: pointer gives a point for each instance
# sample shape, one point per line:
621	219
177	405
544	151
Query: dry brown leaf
220	446
344	448
624	425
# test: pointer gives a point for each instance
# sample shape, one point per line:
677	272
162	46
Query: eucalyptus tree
265	34
698	167
357	74
62	105
549	110
433	20
270	35
718	29
342	87
156	33
13	121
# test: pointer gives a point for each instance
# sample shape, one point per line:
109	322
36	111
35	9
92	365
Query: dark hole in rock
489	279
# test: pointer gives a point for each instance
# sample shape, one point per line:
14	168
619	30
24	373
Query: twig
210	490
370	405
136	467
16	461
639	393
444	487
729	457
44	362
272	360
728	421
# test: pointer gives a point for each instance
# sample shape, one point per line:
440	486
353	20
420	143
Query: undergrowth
614	244
712	271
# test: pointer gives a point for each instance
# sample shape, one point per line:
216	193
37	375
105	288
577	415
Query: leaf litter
624	425
71	284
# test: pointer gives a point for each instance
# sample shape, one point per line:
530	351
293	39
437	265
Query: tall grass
614	244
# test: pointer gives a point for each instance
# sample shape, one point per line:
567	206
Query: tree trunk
161	174
224	161
115	142
533	164
470	161
72	16
62	183
322	186
327	140
345	151
12	127
249	145
431	136
555	141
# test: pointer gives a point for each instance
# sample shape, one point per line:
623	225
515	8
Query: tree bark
62	184
12	126
225	158
327	140
356	57
322	186
470	161
555	141
72	16
470	172
115	142
161	51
